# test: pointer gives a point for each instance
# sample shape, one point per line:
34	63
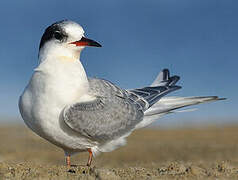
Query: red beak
86	42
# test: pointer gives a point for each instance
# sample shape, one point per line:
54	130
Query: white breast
51	88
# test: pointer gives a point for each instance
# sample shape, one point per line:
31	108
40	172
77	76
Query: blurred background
196	40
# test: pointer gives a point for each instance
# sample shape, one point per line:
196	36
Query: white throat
62	73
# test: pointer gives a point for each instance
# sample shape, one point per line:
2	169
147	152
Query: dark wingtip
165	74
177	87
165	70
173	80
217	98
221	98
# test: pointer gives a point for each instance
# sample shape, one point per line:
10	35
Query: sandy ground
205	153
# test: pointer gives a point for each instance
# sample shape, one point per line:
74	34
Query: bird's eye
58	35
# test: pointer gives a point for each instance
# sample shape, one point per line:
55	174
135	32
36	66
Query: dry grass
150	154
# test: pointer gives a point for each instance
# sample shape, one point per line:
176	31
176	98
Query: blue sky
197	40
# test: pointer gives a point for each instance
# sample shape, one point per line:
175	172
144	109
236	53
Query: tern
76	113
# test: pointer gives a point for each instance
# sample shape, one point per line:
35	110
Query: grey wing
115	112
112	114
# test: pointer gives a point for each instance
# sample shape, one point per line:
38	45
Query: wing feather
115	112
111	115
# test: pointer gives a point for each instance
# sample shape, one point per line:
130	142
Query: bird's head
64	38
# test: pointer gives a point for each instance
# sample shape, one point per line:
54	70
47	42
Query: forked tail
169	104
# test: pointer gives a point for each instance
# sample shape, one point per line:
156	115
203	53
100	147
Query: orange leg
90	157
68	160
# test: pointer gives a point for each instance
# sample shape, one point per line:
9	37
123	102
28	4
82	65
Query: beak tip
94	44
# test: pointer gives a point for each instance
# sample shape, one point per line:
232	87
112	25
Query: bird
77	113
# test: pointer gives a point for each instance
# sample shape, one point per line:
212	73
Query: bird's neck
64	73
65	66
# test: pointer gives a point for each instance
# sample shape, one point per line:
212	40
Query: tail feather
168	104
164	105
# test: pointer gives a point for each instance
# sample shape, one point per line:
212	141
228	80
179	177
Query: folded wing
114	112
108	117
